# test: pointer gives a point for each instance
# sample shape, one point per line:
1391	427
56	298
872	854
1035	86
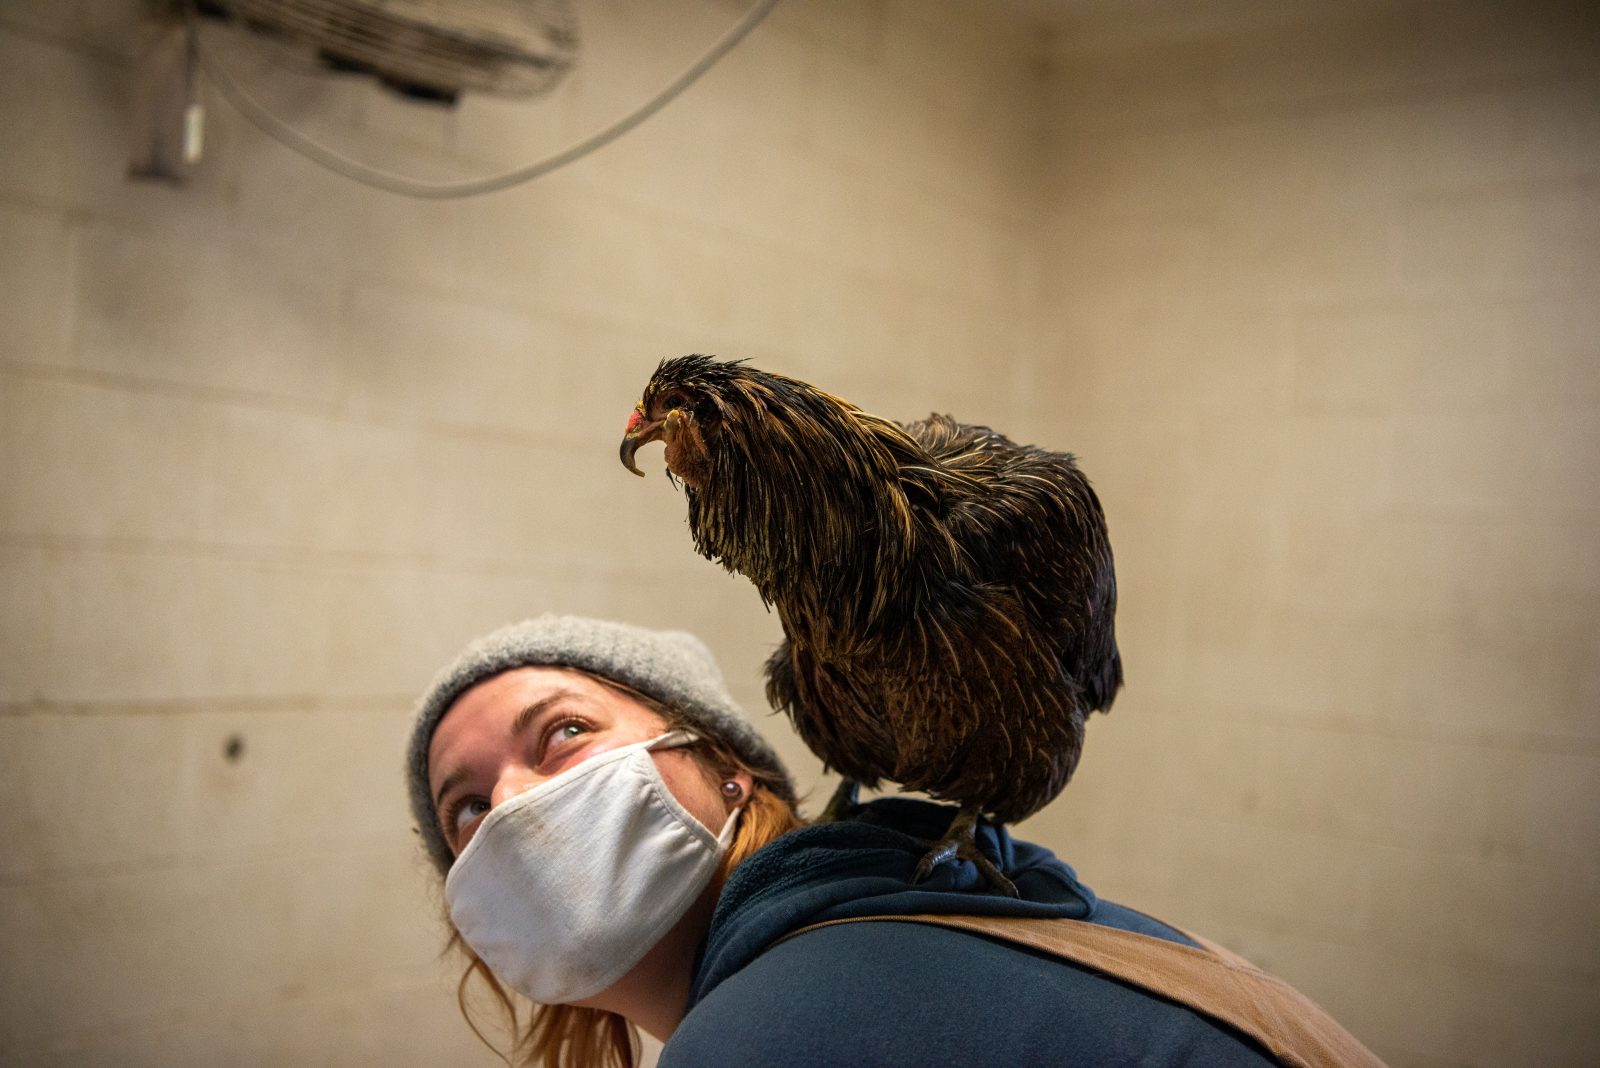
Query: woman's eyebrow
451	781
529	714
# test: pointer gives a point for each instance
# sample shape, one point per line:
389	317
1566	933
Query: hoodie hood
862	867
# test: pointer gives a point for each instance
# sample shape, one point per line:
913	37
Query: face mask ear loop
673	740
677	739
729	828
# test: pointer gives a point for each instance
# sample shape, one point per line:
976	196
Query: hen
947	595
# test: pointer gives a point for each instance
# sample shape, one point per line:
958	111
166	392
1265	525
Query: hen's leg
959	843
844	802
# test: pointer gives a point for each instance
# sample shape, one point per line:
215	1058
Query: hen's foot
959	843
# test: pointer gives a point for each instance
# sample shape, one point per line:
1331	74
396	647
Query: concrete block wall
1318	309
273	446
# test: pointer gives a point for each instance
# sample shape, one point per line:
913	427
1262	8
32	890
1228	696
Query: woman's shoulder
888	992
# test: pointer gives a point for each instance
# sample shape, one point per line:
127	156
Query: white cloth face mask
566	886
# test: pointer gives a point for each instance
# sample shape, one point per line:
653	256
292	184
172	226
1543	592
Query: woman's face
522	727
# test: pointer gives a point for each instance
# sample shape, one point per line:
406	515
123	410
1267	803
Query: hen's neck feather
826	509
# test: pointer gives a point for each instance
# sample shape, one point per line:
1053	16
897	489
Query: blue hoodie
877	995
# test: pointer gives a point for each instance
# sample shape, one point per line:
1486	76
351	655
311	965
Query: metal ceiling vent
427	49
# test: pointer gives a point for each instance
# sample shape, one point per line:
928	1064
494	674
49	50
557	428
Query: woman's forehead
488	710
505	695
518	686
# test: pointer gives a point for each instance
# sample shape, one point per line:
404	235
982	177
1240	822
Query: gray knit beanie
672	666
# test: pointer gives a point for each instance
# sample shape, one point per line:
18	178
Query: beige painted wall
1321	310
1313	300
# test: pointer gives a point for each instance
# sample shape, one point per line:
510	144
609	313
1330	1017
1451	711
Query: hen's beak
640	432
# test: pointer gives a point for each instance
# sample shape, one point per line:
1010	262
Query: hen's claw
960	843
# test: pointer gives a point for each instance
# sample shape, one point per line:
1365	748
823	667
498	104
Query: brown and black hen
947	595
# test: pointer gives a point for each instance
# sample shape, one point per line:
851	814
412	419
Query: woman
537	699
622	848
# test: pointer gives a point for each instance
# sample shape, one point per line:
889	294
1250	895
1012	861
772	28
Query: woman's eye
565	732
468	811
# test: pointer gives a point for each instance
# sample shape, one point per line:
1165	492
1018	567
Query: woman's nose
512	782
